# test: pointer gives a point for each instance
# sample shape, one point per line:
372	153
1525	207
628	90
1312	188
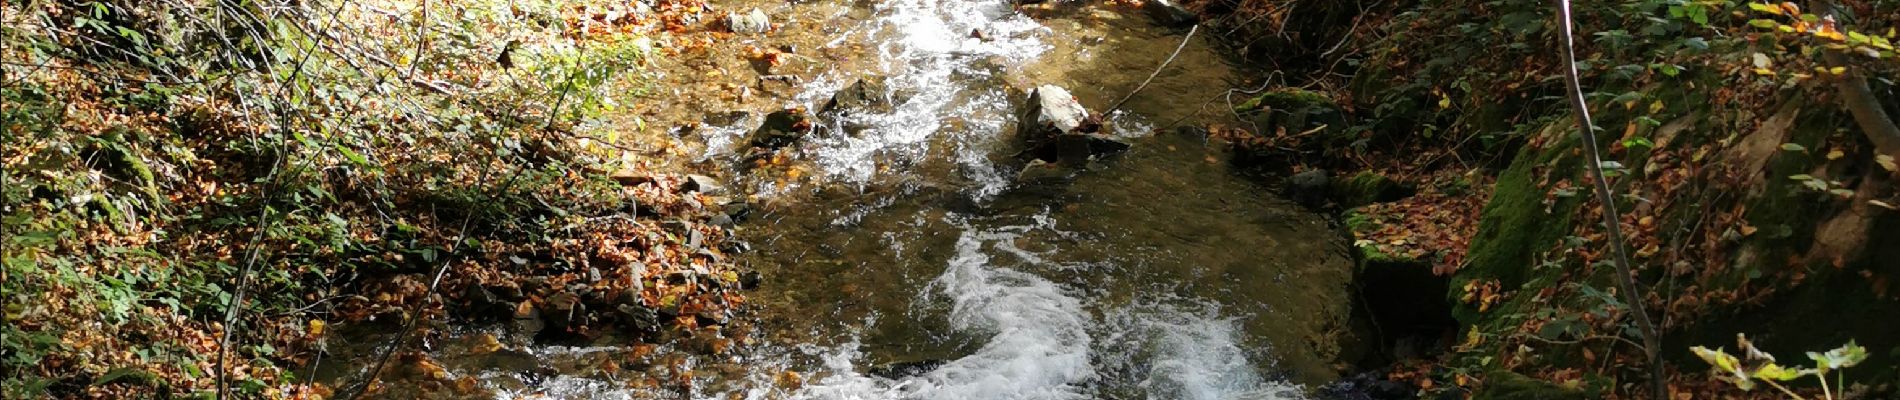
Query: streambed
918	262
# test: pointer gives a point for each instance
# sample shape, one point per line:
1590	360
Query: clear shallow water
917	265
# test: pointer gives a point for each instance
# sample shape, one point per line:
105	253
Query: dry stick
1606	194
1151	77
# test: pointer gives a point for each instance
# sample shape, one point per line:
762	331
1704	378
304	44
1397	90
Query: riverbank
188	212
1749	193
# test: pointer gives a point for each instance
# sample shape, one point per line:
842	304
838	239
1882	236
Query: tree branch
1612	221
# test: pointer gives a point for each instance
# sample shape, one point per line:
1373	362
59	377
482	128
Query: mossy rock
1369	254
1294	110
1507	385
1369	187
1516	225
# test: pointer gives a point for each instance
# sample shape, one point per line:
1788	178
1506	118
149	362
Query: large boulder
1058	129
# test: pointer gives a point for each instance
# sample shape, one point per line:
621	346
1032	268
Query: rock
563	310
701	184
749	23
868	94
738	210
1058	129
638	318
1170	13
1296	111
735	246
1309	188
1051	107
528	319
484	304
629	177
750	280
781	128
1369	187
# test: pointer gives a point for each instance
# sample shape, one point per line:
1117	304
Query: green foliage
1759	367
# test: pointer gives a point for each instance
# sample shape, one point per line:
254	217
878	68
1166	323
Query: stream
918	264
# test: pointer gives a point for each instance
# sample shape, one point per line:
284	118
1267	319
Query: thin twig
1611	219
1151	76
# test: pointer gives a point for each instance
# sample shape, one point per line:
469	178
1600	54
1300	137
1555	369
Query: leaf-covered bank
197	193
1759	197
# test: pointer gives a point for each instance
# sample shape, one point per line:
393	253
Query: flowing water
918	264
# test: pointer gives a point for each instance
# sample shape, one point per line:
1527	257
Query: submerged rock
1058	129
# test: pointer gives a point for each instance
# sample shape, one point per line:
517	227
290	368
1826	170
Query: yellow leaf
316	327
1886	162
1748	230
1835	154
1656	107
1764	72
1837	71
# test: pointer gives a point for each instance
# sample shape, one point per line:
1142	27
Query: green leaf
1766	8
1793	147
1847	355
1635	142
1777	372
1763	23
353	156
1721	360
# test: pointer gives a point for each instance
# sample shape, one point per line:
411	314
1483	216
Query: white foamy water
929	57
1038	346
1187	352
1042	341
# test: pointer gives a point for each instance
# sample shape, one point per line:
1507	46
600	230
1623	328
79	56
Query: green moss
1284	99
1516	224
1358	221
1507	385
1367	187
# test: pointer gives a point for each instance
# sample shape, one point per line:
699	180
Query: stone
750	280
738	210
1058	129
1170	13
1369	187
868	94
637	318
781	128
749	23
629	177
1310	187
701	184
1051	107
563	310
